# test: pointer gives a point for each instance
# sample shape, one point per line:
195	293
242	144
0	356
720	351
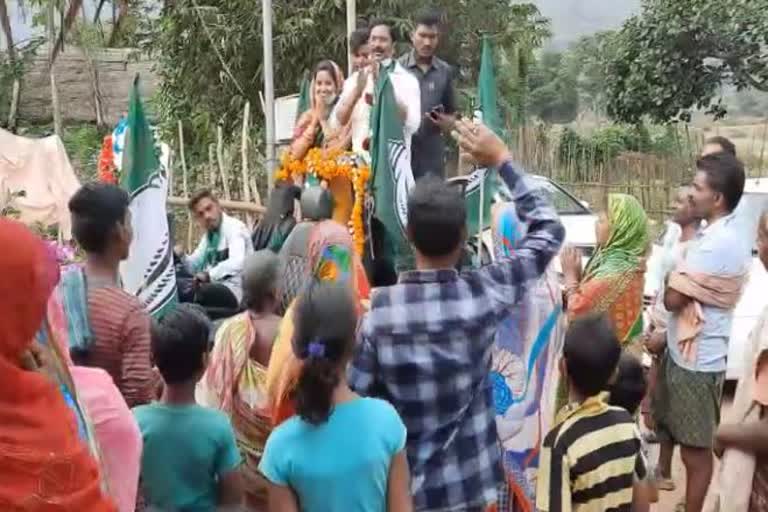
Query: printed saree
330	257
524	370
236	384
613	279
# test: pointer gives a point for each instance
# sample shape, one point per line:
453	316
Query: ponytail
325	319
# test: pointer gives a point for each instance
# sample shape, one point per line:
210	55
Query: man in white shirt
217	262
356	98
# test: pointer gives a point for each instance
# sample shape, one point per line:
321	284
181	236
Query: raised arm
545	233
350	95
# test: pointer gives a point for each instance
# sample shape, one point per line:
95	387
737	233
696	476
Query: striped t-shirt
589	460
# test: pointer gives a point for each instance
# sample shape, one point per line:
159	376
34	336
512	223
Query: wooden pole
269	90
220	161
244	164
211	167
51	70
226	203
351	25
185	182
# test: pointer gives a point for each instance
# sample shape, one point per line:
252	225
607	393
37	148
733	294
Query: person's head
206	209
260	281
717	186
623	224
30	276
282	201
180	345
629	385
590	353
358	46
330	253
101	220
325	321
762	239
437	217
426	33
381	39
682	210
327	81
718	144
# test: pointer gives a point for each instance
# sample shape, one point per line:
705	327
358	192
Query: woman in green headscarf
612	281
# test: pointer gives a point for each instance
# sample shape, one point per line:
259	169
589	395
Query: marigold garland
328	164
107	162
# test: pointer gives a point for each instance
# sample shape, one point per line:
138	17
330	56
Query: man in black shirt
438	103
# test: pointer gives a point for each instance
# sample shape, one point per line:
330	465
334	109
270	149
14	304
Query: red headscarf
44	466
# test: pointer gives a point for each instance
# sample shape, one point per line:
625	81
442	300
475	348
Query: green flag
149	271
481	182
305	102
392	177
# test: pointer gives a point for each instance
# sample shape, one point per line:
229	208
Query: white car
753	203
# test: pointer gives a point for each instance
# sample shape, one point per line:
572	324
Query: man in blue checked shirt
425	344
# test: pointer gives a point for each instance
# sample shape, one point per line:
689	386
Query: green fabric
628	241
211	248
305	100
489	115
140	159
392	177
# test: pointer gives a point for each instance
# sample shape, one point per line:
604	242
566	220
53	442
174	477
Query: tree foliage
676	54
554	94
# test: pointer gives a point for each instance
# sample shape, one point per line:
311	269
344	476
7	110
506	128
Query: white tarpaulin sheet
41	169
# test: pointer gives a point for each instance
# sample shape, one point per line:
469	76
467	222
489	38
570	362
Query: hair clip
316	349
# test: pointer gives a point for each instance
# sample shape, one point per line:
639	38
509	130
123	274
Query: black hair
723	142
325	321
427	17
330	68
198	196
382	22
281	203
725	174
179	341
97	209
357	39
591	352
260	277
437	217
628	390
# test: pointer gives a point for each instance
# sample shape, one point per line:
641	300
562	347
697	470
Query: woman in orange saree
44	464
331	257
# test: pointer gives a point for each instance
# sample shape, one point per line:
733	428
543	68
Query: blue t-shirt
186	450
342	464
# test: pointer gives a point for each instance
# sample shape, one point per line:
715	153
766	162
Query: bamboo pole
226	203
211	167
269	91
220	161
244	165
51	71
185	182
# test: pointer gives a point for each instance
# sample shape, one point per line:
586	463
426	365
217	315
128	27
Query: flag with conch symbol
392	177
149	271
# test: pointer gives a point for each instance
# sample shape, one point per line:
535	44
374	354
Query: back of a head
725	174
437	217
179	342
96	210
281	202
260	279
316	203
325	321
628	390
358	39
725	144
591	352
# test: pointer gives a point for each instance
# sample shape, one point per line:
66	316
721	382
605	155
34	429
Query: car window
565	203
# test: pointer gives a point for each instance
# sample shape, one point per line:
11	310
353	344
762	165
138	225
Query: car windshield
565	203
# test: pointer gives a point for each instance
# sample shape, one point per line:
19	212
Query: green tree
554	96
676	54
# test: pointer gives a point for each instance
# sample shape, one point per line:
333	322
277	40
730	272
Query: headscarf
628	242
524	366
43	463
331	258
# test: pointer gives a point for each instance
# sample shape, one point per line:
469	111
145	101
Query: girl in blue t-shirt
341	451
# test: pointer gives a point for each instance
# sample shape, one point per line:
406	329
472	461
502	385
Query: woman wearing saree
613	279
235	380
330	257
524	370
313	130
44	463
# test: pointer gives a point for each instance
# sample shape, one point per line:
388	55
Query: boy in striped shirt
590	458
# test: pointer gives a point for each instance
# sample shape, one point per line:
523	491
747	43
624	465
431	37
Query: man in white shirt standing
217	262
357	97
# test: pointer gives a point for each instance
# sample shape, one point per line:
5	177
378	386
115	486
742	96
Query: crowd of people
507	387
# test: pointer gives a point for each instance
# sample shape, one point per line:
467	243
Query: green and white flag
149	271
487	112
305	101
392	177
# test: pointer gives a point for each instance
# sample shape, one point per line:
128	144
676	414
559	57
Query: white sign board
285	117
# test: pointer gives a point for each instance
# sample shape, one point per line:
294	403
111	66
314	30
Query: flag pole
351	25
479	260
269	90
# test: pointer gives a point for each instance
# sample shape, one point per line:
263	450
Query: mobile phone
439	109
